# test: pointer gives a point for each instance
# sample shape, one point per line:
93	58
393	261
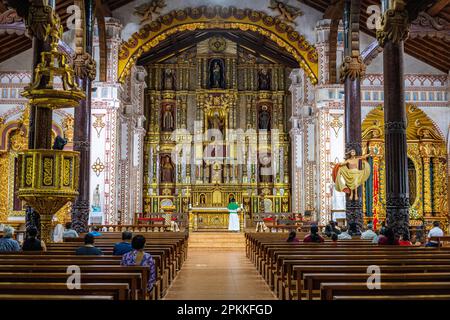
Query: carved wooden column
393	32
427	206
352	70
85	68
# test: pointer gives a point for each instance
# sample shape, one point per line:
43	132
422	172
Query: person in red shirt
314	236
404	240
388	238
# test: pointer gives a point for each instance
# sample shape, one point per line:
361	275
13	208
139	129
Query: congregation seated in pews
340	269
142	267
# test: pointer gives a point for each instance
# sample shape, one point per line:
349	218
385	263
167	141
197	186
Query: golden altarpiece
216	130
427	167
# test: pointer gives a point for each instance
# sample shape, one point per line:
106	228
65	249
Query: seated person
331	228
388	238
138	257
69	232
95	232
292	237
334	237
314	236
88	249
344	235
31	242
120	248
7	243
404	240
435	232
369	234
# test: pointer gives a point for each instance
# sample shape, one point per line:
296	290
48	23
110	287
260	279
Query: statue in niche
96	200
216	176
167	170
264	79
216	122
265	169
168	123
216	74
202	199
169	80
264	119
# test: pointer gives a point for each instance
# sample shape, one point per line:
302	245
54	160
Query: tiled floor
218	275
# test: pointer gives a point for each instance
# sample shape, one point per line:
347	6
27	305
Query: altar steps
216	240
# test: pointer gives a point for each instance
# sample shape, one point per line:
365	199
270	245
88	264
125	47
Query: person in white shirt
435	232
344	235
69	232
369	234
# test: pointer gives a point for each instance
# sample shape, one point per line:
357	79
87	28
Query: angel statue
287	13
348	177
145	11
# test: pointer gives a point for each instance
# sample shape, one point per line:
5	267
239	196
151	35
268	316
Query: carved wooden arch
218	17
417	123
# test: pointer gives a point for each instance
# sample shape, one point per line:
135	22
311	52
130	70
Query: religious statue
59	143
216	173
96	200
202	199
216	74
264	119
167	170
169	80
168	119
216	122
287	13
348	177
265	171
264	79
147	10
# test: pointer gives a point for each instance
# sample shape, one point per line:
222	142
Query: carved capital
353	68
394	24
84	66
40	18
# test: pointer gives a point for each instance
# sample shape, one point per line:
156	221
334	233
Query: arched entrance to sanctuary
427	164
216	104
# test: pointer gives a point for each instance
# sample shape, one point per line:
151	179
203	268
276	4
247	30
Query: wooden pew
313	281
329	290
119	291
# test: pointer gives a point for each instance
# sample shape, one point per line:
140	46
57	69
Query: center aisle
220	271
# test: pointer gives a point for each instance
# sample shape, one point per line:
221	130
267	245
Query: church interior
212	137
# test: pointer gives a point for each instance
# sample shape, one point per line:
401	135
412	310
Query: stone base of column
354	214
80	216
397	218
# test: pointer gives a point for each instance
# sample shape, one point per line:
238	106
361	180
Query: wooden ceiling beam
263	50
14	51
438	7
167	48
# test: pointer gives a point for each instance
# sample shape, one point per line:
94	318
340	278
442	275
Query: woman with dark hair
404	241
31	243
138	257
314	236
388	238
292	237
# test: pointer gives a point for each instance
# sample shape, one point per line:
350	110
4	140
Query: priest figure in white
233	209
